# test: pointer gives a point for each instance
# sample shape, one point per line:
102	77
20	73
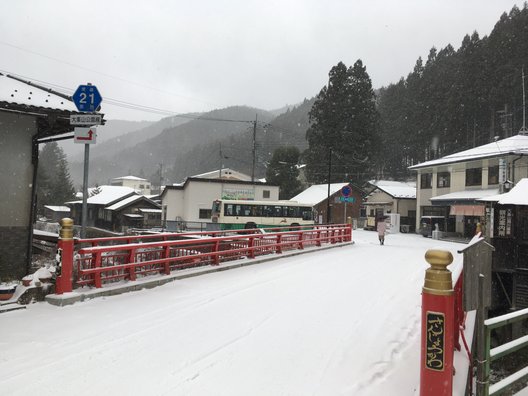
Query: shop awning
467	210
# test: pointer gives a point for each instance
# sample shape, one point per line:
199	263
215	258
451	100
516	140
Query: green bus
235	214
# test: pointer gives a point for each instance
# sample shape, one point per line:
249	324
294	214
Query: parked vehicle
428	225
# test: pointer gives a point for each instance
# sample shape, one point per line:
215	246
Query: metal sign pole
85	190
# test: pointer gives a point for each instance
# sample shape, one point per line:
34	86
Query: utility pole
328	208
160	177
221	163
524	131
84	215
254	149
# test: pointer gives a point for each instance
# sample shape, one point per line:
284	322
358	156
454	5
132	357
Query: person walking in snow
382	228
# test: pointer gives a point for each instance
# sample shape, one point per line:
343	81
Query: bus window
306	213
292	211
228	210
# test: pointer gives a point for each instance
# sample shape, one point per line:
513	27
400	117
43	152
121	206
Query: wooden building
343	199
507	229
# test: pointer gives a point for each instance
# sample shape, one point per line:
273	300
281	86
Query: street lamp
328	208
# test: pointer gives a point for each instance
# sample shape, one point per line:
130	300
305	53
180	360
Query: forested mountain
457	99
171	147
111	130
236	150
112	136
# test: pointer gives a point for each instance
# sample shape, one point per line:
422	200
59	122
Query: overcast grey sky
199	55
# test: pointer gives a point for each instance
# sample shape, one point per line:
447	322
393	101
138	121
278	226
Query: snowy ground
343	321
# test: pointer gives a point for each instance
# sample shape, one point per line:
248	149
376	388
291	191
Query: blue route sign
87	98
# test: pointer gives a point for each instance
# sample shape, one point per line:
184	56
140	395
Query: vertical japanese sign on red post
64	272
437	340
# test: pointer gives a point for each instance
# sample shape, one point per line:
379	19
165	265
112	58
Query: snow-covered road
343	321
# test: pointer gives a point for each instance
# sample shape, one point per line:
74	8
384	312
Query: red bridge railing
108	260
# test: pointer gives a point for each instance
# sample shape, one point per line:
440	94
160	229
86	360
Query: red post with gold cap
438	312
63	283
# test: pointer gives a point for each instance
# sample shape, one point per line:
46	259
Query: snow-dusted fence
108	260
500	351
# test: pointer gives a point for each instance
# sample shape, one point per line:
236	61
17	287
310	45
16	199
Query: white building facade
452	186
137	183
191	201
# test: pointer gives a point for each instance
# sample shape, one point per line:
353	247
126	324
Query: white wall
196	195
135	184
16	177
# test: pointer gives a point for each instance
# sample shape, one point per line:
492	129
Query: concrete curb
148	283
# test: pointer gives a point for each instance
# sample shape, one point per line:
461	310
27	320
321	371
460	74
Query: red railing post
166	264
278	248
318	237
216	250
132	268
301	240
437	338
63	282
97	274
251	250
459	311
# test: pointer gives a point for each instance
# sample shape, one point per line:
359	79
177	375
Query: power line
133	106
100	73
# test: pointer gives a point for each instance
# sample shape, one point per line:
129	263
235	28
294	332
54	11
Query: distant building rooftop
513	145
317	193
396	189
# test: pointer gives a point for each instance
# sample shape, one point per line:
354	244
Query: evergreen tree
459	99
54	184
283	171
344	128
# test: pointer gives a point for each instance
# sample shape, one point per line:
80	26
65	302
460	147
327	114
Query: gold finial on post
438	278
66	230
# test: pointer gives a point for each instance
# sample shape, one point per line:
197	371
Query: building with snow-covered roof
191	202
56	212
30	114
391	197
452	186
507	229
117	208
343	199
224	173
137	183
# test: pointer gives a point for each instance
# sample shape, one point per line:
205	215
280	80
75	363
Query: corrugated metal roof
466	195
517	144
317	193
21	93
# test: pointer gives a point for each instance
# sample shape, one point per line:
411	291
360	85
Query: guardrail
492	354
167	236
109	260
